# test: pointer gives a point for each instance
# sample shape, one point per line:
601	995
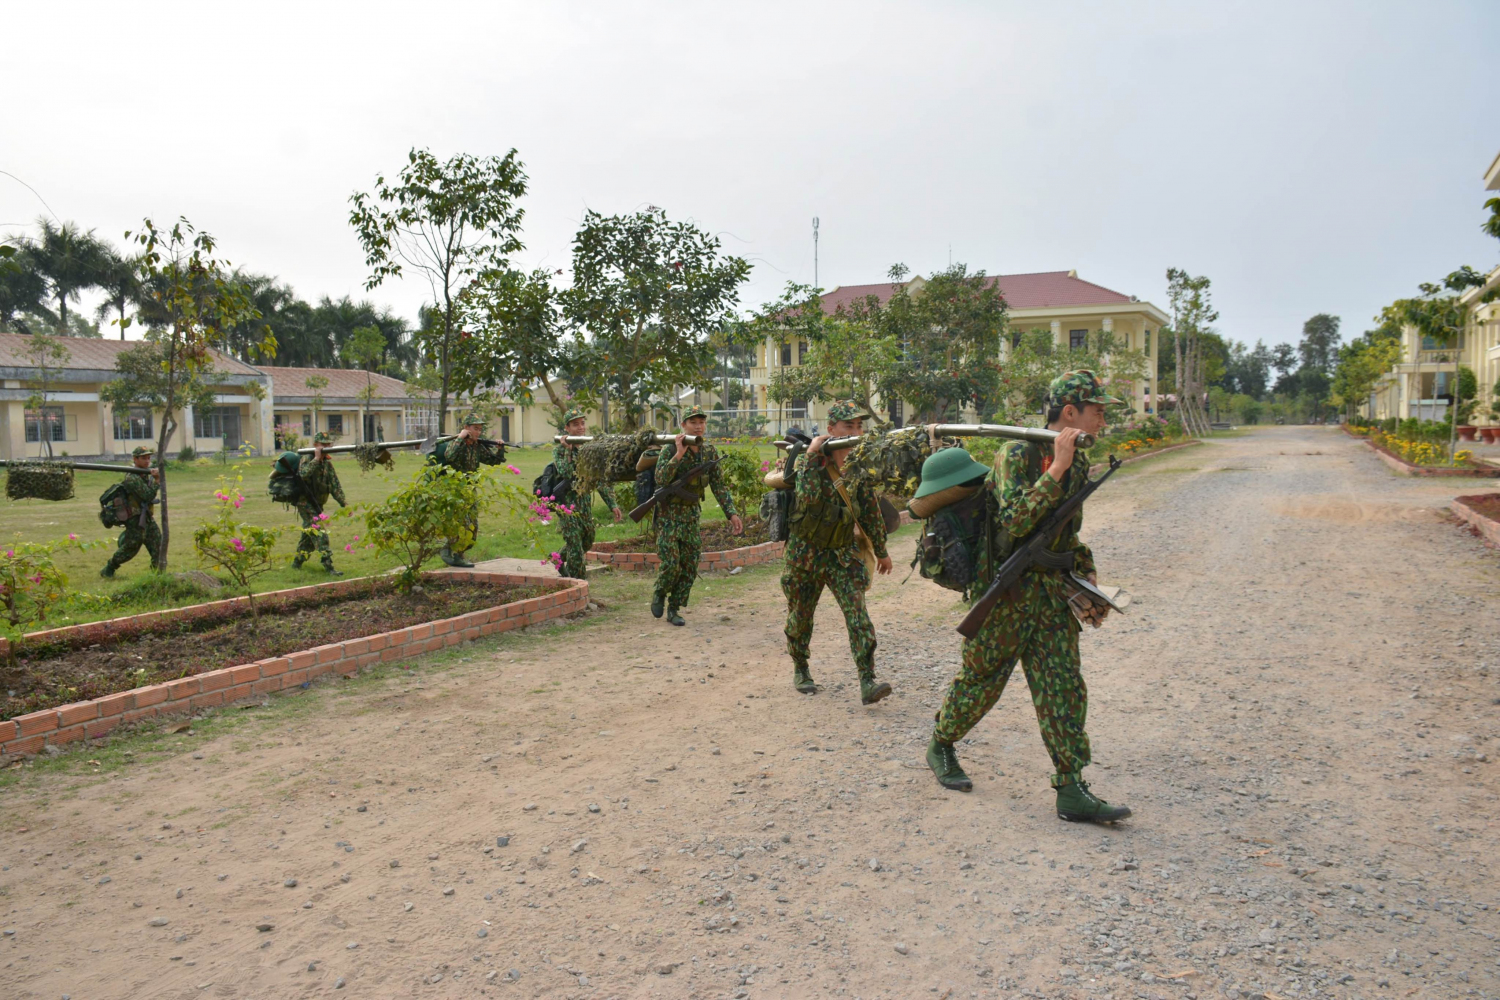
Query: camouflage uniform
319	482
139	530
465	456
810	568
1033	623
578	527
679	535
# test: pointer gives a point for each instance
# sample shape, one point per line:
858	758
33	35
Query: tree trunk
120	304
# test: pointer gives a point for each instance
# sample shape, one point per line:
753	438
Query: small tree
242	550
31	585
49	356
513	336
365	348
949	336
448	221
315	386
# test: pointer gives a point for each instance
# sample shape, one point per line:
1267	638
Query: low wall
28	734
1486	526
1405	468
640	562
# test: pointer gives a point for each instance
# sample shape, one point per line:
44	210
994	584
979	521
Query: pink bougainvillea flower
512	469
348	548
72	537
10	553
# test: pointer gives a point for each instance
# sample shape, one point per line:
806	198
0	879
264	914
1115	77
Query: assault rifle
676	488
1030	552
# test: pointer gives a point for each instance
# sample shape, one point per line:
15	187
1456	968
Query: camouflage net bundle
370	455
892	463
610	458
39	481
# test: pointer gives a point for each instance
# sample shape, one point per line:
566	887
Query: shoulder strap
838	484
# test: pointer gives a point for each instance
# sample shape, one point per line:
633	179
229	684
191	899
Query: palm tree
121	286
22	289
70	260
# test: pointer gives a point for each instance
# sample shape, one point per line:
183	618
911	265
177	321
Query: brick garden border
641	562
1486	526
1406	468
28	734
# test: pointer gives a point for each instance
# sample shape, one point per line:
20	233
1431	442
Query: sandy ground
1301	708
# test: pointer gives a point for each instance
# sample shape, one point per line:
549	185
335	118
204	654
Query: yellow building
1059	301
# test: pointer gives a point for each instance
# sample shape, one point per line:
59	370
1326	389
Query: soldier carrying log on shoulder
824	551
466	453
319	482
679	534
577	527
140	526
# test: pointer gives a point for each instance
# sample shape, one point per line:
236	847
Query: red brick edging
640	562
1486	526
27	734
1161	451
1406	468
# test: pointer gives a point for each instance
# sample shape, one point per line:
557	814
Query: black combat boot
658	605
944	763
674	618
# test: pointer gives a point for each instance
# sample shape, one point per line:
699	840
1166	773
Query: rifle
1032	551
676	488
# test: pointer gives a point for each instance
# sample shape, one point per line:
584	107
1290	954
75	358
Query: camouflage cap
1078	387
694	411
573	413
845	409
142	449
322	437
472	419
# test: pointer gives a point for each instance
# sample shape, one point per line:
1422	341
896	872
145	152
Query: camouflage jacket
670	467
464	456
815	484
320	481
141	490
1025	495
563	459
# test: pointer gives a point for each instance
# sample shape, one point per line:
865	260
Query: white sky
1308	157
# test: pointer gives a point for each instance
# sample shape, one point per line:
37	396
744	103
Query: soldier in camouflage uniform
679	536
319	481
1034	623
465	453
141	529
577	527
824	552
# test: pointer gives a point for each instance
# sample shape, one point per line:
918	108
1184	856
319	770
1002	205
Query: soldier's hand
883	565
1062	453
681	445
736	525
156	473
619	515
816	448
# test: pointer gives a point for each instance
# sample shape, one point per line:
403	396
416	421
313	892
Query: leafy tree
31	586
651	294
1248	370
315	385
1035	360
194	299
949	338
1192	317
1491	225
365	349
22	287
449	221
69	260
513	336
1320	343
49	356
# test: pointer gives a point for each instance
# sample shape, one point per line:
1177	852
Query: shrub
242	550
31	585
744	472
187	454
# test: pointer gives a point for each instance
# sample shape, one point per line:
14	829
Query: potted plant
1466	402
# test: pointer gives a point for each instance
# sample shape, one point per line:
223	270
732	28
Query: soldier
142	527
1034	623
679	537
466	453
823	551
319	481
577	527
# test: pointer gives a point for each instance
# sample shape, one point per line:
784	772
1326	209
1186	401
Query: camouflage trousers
131	540
679	543
808	571
312	537
1036	628
458	546
578	536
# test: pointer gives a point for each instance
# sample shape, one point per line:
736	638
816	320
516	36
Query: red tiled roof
1040	290
97	355
342	382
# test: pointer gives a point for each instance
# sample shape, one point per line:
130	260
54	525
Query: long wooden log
418	443
659	439
1039	435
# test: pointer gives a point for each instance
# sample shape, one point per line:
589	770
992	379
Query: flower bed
1469	469
1482	510
1137	455
721	550
507	606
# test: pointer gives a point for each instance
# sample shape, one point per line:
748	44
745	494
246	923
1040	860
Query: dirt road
1301	708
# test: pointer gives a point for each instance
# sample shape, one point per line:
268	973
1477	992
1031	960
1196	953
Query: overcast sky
1308	157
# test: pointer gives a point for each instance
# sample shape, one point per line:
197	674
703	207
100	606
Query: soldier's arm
721	490
867	513
666	468
1026	494
491	454
143	488
562	461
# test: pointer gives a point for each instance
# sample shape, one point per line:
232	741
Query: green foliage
513	335
745	473
949	333
158	590
242	550
1035	360
651	293
31	585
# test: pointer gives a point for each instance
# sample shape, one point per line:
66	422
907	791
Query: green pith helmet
571	414
694	411
845	409
472	419
140	450
1078	387
949	467
322	438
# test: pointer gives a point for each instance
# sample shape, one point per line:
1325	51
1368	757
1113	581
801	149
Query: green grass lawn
192	488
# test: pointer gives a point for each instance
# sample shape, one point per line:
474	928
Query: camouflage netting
610	458
892	462
370	455
39	481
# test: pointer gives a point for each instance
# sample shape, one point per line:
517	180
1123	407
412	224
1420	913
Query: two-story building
1060	302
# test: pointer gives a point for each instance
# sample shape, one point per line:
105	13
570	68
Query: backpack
776	510
953	543
551	484
645	484
285	485
114	507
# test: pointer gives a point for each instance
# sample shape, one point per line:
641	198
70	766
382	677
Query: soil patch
716	537
49	676
1487	504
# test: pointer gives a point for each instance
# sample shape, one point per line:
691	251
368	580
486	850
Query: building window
786	354
1078	340
335	423
1146	341
801	350
133	423
219	422
52	419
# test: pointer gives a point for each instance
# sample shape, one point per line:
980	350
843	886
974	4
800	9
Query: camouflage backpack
114	507
285	485
953	543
